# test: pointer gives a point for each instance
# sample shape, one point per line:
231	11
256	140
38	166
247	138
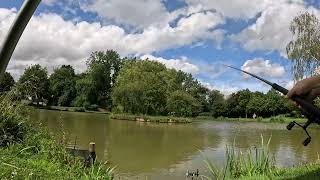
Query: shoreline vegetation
258	163
172	119
28	151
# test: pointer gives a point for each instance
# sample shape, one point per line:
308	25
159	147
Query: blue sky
196	36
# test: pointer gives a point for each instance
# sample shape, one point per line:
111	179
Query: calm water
167	151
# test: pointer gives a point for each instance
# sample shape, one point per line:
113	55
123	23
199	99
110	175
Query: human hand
308	89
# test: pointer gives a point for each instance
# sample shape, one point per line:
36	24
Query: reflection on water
167	151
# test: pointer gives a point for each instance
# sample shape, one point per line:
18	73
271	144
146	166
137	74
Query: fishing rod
15	32
311	112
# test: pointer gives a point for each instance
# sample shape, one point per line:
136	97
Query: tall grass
27	151
253	162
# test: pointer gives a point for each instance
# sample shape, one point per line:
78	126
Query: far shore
171	119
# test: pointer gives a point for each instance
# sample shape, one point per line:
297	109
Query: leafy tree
103	69
304	49
141	87
243	98
274	102
216	103
34	84
63	85
194	88
86	94
6	82
257	104
181	103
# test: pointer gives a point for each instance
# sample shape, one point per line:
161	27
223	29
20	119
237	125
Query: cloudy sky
195	36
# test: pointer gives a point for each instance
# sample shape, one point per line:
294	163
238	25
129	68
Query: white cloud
50	40
226	90
178	64
141	13
271	30
48	2
230	8
263	67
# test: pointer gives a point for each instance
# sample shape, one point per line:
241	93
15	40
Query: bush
79	109
277	119
31	153
118	109
92	107
12	122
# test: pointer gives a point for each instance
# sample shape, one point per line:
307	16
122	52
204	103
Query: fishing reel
311	119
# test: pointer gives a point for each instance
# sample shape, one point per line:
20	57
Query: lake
167	151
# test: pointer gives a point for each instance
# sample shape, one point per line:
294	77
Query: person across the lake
308	89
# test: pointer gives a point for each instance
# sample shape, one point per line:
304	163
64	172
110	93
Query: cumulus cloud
263	67
48	2
51	40
226	90
271	30
141	13
178	64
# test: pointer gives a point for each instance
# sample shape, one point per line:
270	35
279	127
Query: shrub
12	122
79	109
92	107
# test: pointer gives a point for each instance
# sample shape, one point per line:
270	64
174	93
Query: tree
62	85
304	49
86	93
243	99
181	103
142	87
274	102
256	104
103	69
34	84
216	103
192	86
6	82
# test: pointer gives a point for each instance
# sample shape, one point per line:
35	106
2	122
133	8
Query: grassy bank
74	109
258	163
27	151
155	119
275	119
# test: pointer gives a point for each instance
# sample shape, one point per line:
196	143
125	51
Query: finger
313	94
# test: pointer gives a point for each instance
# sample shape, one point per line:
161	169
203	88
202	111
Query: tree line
130	85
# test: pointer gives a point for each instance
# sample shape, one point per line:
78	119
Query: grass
74	109
27	151
257	163
155	119
275	119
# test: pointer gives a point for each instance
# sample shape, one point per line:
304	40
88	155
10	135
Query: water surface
167	151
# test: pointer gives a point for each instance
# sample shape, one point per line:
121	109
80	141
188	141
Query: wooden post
92	152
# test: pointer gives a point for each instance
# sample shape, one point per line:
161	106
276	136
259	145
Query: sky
195	36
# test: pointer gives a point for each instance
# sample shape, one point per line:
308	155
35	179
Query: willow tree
304	49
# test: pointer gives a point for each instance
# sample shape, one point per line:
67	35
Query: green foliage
85	92
62	86
34	84
256	161
217	103
6	82
182	104
12	122
148	87
304	49
103	69
29	152
141	88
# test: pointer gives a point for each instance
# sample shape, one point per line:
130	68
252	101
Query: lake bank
275	119
171	119
153	119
